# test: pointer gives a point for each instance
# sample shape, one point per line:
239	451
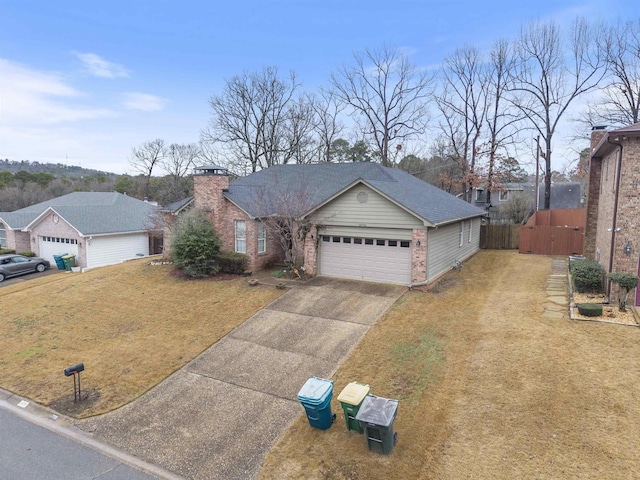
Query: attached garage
110	249
362	258
50	246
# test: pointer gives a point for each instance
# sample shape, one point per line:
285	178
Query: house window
241	236
504	194
470	227
461	233
478	194
262	239
3	236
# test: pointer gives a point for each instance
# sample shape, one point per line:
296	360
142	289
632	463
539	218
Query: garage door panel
389	263
50	246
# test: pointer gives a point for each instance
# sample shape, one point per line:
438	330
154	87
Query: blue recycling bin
315	396
59	261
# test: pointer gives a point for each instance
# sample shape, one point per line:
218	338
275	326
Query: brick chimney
209	184
597	133
593	193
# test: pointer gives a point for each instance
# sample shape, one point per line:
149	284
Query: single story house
99	228
363	221
612	234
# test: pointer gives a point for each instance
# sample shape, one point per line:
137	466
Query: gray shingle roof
91	213
320	182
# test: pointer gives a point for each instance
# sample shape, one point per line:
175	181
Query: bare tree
517	207
180	159
301	129
387	95
501	117
328	127
463	107
619	100
547	80
280	209
250	119
146	158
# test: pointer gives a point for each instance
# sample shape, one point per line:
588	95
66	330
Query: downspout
615	215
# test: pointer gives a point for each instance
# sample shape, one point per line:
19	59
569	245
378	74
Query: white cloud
31	98
142	101
99	67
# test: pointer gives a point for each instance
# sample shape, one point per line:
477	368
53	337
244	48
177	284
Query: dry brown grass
516	395
131	324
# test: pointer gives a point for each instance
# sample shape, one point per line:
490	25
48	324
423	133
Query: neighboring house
99	228
563	195
365	221
612	235
169	215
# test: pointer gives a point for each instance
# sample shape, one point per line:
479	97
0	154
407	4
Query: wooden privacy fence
554	232
499	236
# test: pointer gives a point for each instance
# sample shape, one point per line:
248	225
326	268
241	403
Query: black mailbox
73	369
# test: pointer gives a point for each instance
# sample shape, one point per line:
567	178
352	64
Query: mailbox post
75	371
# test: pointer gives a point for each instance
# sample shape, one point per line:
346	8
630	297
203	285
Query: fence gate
554	232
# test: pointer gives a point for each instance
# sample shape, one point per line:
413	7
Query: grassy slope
131	324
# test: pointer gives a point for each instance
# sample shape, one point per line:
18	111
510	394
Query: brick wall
593	196
628	210
628	213
18	241
419	256
209	198
311	251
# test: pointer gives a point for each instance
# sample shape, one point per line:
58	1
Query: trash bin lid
69	255
354	393
315	390
377	410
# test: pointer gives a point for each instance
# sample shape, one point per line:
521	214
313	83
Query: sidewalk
557	304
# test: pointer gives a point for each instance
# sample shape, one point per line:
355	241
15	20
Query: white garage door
371	259
50	246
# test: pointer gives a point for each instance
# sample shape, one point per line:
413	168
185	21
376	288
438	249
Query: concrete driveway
218	416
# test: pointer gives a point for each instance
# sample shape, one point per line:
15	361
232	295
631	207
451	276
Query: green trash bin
351	398
376	416
59	261
69	261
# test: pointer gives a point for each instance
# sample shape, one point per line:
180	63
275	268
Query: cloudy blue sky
83	82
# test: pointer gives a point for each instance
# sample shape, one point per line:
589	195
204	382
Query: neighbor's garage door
50	246
372	259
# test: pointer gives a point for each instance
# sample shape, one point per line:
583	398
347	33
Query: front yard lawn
488	387
131	324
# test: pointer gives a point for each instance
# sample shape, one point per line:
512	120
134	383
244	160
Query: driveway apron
218	416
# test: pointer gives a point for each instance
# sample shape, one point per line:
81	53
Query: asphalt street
31	452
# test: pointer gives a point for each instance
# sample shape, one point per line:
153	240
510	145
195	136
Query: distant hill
57	169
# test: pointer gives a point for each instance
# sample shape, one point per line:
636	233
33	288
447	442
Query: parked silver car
13	265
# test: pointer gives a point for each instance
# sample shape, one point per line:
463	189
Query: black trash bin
376	416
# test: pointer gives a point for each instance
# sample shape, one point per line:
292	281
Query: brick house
363	221
612	234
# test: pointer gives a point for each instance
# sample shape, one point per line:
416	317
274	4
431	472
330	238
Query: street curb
62	425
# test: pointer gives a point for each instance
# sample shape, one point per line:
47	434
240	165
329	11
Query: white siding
112	249
443	246
376	212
